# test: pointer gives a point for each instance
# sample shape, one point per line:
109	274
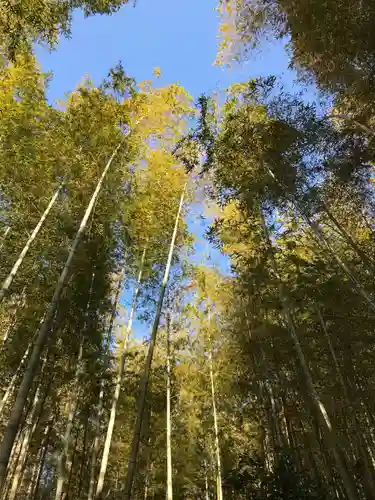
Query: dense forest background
253	382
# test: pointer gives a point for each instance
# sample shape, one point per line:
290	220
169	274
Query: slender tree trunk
286	424
61	466
42	460
279	438
361	444
64	463
147	482
96	446
219	487
13	318
70	466
34	474
6	232
323	241
31	424
206	489
11	429
145	377
169	422
358	393
83	458
12	466
17	449
309	442
349	240
13	381
116	395
148	468
334	358
291	438
320	409
145	495
8	281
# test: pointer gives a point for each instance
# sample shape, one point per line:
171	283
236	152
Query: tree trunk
349	240
323	241
43	334
147	482
6	232
320	469
206	490
279	438
145	377
61	466
8	281
17	448
34	474
19	304
13	381
96	445
359	439
70	466
116	395
31	425
219	487
145	494
83	458
42	460
319	408
12	466
169	422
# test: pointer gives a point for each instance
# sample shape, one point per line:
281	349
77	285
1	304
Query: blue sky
180	37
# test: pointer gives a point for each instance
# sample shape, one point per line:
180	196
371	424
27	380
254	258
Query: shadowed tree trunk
168	416
146	374
318	407
116	395
8	281
11	429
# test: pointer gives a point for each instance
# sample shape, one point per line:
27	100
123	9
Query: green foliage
24	21
294	191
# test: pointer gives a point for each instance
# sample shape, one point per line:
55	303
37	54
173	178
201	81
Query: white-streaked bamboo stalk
69	427
11	429
6	232
145	377
96	445
169	418
8	281
219	487
206	489
116	395
318	405
12	383
31	424
324	242
95	451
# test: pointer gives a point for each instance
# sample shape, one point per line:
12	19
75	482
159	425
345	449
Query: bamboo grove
133	366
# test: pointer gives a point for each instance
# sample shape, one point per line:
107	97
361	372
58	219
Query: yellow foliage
227	31
157	72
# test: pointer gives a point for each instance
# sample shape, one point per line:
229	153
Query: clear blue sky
178	36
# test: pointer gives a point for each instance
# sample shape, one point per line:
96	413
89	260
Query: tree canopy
134	365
